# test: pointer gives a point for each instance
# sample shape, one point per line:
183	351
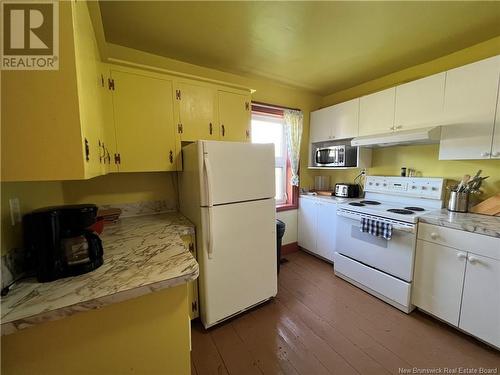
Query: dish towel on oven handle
376	228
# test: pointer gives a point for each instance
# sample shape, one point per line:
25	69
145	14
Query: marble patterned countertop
327	198
469	222
142	254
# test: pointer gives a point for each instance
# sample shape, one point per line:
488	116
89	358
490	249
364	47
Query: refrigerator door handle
210	251
208	171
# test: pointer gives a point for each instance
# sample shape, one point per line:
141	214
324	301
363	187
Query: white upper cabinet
469	111
335	122
376	112
419	103
321	125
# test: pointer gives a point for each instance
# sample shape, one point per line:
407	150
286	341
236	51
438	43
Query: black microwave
335	156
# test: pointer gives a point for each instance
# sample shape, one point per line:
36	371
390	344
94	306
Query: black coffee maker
58	242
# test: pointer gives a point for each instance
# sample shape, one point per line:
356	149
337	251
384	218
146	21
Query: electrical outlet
15	211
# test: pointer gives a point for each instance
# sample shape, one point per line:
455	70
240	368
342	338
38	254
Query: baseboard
289	248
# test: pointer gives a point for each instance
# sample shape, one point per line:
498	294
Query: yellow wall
468	55
123	188
31	195
388	161
145	335
424	159
113	188
133	187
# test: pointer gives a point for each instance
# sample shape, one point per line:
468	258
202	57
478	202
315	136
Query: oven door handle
402	228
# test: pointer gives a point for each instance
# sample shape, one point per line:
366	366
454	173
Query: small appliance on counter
346	190
59	242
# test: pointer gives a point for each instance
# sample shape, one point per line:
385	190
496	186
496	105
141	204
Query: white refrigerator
227	190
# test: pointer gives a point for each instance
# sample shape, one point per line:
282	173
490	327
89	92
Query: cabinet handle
434	236
87	150
473	260
485	154
461	255
392	128
210	128
248	133
223	130
399	127
171	157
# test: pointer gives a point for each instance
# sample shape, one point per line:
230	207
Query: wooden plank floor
320	324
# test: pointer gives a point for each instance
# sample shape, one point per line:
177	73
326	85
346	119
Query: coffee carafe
59	243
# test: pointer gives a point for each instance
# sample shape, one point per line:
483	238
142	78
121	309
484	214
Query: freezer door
241	271
236	172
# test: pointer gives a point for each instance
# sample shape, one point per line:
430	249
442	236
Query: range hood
404	137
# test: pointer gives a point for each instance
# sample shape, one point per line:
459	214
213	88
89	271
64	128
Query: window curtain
293	132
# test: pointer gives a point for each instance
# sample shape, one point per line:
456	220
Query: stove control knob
423	188
377	184
413	187
434	188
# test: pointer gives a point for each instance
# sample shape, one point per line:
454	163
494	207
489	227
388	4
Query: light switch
15	211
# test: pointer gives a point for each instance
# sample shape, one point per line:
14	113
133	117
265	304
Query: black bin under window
280	231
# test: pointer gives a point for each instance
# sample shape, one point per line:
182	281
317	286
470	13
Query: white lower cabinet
307	224
438	279
480	314
316	226
460	283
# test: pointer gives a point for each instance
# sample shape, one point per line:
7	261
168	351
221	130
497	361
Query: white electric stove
379	266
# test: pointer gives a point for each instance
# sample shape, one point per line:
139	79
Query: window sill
286	207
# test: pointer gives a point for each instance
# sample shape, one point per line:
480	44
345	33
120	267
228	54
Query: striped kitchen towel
376	228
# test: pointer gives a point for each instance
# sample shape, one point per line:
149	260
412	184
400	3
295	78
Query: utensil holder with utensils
458	201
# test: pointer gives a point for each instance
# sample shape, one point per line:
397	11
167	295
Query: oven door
394	256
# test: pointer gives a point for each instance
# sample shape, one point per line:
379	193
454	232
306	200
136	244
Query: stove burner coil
373	203
356	204
420	209
400	211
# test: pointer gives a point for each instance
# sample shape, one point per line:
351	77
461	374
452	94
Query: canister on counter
403	171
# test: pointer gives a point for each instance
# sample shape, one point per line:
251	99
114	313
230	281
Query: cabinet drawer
462	240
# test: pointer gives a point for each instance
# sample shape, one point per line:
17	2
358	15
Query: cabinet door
321	125
344	120
234	116
376	112
307	224
438	279
193	304
89	84
109	135
420	103
495	149
145	134
469	110
326	230
480	313
197	108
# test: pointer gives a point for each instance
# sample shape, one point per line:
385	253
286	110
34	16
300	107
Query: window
267	128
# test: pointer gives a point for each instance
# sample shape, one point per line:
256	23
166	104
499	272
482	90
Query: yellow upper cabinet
109	134
196	111
146	140
234	116
51	119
